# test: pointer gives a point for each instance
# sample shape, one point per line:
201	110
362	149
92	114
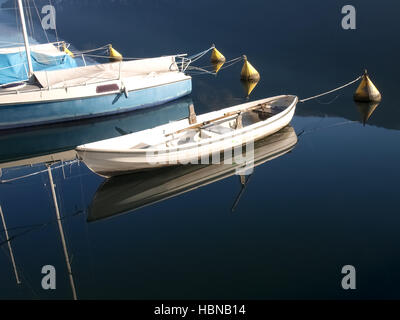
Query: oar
226	115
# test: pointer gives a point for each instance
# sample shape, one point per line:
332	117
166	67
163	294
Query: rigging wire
16	18
34	227
55	27
30	20
38	14
23	278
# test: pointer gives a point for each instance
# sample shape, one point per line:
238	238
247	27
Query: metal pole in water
9	246
26	40
60	228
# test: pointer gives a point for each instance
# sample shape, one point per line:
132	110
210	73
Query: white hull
158	147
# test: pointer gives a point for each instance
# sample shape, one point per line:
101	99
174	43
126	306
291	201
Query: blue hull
26	115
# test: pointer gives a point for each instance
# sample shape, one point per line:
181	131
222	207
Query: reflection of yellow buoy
248	86
67	51
217	65
217	56
366	91
114	54
366	109
249	72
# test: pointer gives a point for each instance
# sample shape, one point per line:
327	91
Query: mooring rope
225	63
330	91
193	70
312	130
199	55
329	102
77	52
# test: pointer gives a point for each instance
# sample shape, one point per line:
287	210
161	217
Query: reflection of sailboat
126	193
63	156
60	230
58	219
25	143
366	109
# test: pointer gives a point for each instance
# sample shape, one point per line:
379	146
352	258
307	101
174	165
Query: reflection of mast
60	228
9	246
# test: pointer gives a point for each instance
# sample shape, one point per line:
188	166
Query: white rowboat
182	142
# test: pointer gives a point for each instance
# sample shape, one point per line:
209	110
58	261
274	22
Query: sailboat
67	92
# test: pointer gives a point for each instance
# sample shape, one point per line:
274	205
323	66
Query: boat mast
27	48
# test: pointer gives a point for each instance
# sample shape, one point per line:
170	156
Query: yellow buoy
217	65
249	72
114	54
217	56
67	51
248	86
366	91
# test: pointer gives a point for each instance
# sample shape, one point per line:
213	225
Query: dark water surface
328	201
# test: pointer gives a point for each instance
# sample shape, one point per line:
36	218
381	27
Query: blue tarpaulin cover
13	65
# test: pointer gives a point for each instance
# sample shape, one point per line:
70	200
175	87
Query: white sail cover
106	71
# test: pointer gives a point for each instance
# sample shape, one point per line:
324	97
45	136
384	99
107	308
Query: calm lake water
329	200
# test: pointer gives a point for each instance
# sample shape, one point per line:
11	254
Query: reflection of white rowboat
181	142
127	193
